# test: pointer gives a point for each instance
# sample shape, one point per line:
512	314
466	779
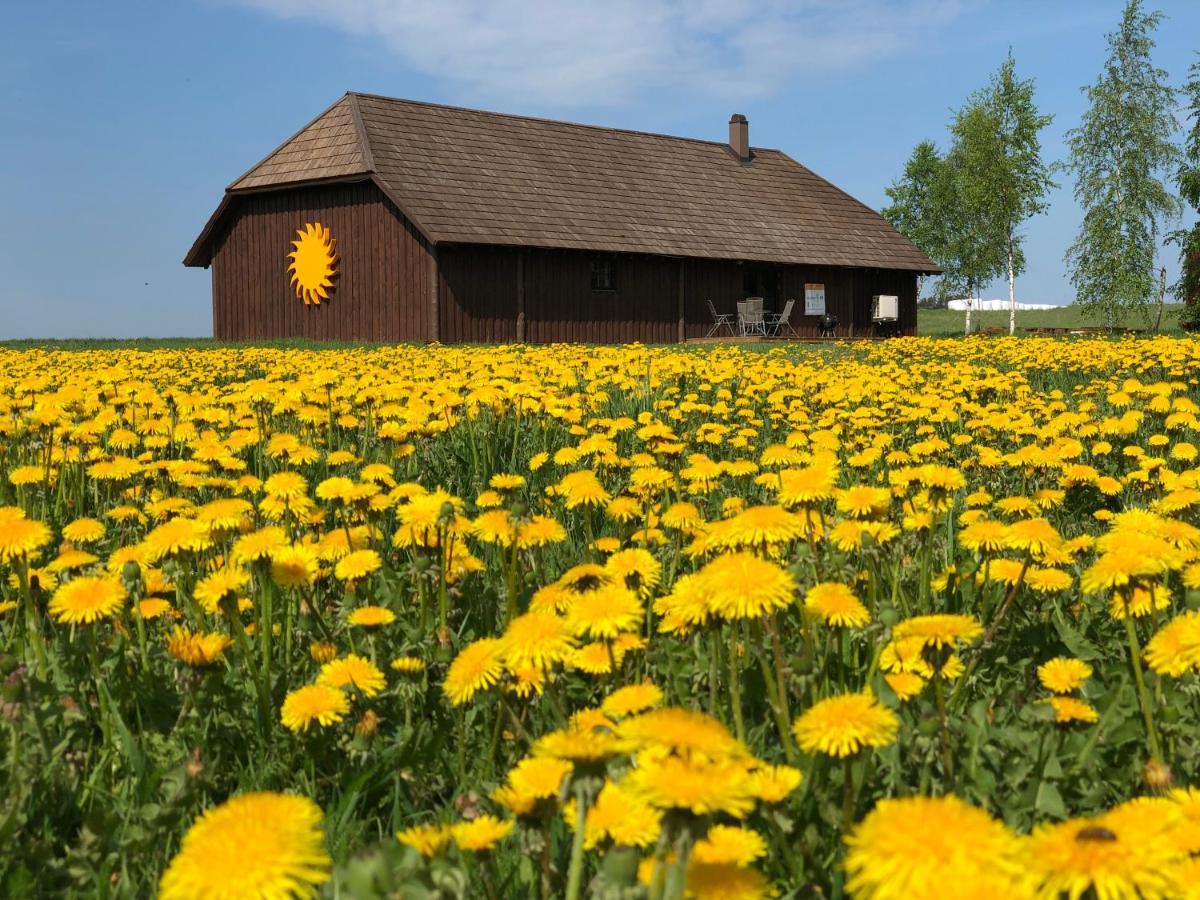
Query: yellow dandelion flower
742	586
20	536
537	640
357	564
255	845
197	649
320	703
1105	855
696	784
428	840
942	630
353	671
477	667
604	613
1062	675
772	784
87	599
293	566
371	616
842	725
1175	648
83	531
835	604
211	589
632	699
730	845
1070	709
906	684
925	846
481	833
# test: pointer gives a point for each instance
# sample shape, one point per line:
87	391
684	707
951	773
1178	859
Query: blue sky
124	121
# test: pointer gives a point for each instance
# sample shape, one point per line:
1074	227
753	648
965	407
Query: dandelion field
911	619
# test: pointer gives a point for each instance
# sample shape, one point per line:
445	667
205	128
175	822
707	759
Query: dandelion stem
947	757
1135	661
735	694
777	690
847	794
575	872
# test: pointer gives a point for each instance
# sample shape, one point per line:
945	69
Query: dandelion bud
519	509
195	766
131	572
367	725
1157	776
446	513
322	652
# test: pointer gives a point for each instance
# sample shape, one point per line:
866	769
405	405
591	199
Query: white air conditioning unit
885	308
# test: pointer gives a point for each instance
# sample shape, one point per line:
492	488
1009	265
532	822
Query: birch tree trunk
1012	294
967	320
1162	297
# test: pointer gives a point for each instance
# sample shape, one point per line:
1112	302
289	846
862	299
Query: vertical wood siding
478	298
381	293
560	304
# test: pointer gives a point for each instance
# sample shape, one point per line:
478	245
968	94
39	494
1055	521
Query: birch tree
1120	154
1187	289
919	203
998	138
976	235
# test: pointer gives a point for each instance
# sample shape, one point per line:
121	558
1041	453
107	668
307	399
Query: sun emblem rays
313	265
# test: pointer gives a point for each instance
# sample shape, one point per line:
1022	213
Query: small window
604	275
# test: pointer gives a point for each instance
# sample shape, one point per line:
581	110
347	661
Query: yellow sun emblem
313	263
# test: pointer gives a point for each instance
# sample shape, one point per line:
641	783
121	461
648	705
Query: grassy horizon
930	323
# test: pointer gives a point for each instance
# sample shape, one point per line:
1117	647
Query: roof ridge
549	121
364	149
360	128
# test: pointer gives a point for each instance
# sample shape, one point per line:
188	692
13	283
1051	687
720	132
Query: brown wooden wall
478	297
560	304
481	287
382	292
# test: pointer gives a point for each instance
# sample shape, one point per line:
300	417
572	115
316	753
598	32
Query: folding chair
720	320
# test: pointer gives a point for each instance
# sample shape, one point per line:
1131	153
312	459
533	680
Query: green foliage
965	209
1187	289
1120	154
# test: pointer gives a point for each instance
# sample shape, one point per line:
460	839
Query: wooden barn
393	220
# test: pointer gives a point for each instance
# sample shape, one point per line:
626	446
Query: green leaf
1079	646
1050	801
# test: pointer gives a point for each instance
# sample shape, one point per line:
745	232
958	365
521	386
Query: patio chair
720	320
776	322
750	316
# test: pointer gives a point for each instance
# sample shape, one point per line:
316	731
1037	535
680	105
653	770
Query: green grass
937	322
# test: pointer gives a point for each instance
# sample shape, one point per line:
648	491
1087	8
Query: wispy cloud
586	52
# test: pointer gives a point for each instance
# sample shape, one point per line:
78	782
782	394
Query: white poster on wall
814	299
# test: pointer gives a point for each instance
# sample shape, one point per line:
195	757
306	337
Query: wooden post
853	298
682	336
521	296
434	291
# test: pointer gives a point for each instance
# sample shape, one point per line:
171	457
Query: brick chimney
739	136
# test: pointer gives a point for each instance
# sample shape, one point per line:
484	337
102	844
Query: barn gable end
330	146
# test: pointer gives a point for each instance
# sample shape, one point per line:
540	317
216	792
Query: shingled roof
465	176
